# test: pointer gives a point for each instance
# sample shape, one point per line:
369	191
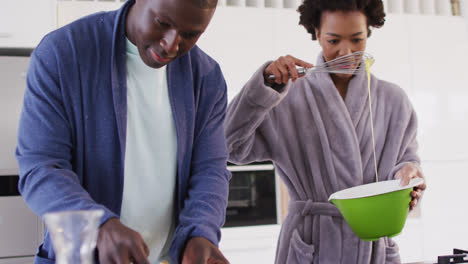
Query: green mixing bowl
376	209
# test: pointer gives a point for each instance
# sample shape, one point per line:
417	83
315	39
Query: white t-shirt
150	157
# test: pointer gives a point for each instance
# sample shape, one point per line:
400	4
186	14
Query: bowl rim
339	194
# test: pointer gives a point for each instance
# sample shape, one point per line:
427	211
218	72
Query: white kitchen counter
254	244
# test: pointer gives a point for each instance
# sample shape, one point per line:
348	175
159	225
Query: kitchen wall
422	48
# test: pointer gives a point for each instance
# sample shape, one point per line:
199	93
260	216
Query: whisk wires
354	63
348	64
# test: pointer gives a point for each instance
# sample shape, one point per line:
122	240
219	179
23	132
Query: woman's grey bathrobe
321	144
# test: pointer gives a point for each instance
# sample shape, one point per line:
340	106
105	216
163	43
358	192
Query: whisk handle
301	71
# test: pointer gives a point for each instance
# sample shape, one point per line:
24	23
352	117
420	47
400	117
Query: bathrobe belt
310	207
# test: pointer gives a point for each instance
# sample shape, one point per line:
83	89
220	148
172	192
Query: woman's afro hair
311	12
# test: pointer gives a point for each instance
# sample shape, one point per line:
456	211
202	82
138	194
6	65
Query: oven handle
259	167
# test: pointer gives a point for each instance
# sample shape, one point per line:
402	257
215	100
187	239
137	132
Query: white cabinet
291	38
21	230
240	40
23	23
13	75
68	11
389	46
438	54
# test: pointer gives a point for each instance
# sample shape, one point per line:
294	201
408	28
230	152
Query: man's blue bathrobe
72	131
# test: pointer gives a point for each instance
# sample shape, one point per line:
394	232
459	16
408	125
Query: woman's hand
284	68
408	172
200	250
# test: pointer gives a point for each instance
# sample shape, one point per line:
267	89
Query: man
123	113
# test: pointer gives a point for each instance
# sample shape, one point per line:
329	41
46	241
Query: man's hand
200	250
405	174
119	244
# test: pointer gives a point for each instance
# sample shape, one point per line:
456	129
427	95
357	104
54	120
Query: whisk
348	64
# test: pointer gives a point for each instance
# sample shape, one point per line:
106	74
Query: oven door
252	195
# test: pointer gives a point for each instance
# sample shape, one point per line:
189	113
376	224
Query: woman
317	132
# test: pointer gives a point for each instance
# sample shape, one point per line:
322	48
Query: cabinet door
13	75
439	52
290	38
20	229
240	40
389	46
23	23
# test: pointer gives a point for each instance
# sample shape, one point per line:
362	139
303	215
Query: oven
255	208
21	230
253	198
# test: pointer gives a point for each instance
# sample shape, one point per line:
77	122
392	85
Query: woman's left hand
408	172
